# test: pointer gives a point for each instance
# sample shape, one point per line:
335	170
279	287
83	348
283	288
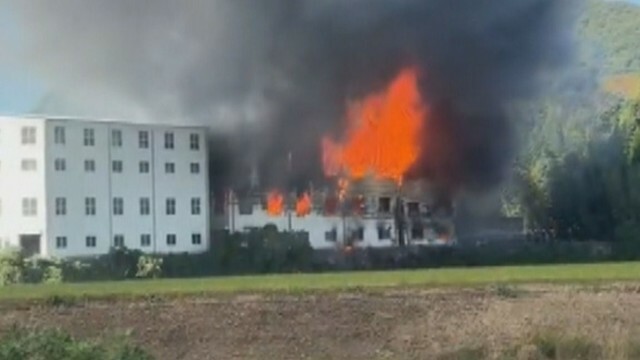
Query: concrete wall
317	224
74	184
15	184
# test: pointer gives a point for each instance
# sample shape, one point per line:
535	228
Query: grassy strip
581	273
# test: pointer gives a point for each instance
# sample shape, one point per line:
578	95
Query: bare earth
389	324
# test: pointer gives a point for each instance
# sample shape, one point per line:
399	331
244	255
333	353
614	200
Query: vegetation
611	36
20	344
295	283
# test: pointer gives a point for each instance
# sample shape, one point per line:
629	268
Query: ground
601	320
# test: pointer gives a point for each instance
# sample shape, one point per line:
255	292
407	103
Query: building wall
74	184
16	184
317	224
181	186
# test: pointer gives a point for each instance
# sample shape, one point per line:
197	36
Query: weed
465	353
507	291
560	347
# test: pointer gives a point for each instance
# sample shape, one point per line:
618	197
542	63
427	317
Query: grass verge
296	283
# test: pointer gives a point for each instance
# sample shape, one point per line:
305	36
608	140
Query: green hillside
611	34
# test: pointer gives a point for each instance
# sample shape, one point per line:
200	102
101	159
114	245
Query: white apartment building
73	187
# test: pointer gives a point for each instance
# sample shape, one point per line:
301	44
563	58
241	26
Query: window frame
89	137
118	206
169	140
59	135
170	206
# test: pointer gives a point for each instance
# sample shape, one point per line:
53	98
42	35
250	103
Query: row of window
117	166
118	206
119	240
60	138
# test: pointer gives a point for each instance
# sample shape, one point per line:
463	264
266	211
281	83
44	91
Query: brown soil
393	324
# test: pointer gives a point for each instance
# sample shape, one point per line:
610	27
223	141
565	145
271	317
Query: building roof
103	120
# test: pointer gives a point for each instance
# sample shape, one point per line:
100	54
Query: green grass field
460	277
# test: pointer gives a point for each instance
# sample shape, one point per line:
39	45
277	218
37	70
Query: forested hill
577	175
611	29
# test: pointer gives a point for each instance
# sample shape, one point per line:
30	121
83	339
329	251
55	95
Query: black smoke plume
271	76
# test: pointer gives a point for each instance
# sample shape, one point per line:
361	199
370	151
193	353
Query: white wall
182	185
131	186
74	184
315	224
16	184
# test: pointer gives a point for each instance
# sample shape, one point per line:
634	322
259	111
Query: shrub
11	267
149	267
20	344
558	346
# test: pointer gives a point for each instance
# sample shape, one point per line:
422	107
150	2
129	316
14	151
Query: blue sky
21	89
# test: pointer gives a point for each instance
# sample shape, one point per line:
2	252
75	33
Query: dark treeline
578	179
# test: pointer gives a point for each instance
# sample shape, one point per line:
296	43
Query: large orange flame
275	203
303	205
383	133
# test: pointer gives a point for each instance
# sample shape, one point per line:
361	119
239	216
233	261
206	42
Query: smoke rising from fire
272	77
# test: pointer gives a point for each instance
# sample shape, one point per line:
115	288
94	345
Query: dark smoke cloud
275	74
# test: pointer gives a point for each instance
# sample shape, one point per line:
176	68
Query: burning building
411	94
372	213
369	203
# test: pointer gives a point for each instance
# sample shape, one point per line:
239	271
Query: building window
61	206
413	208
60	164
61	242
118	241
116	166
384	205
145	240
90	206
145	206
116	138
195	206
59	135
144	167
28	164
417	232
29	207
331	235
168	140
143	139
89	137
118	206
90	241
171	206
384	233
169	168
194	142
171	239
358	234
28	135
89	165
195	168
196	239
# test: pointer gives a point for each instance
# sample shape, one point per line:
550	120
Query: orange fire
275	203
303	205
383	133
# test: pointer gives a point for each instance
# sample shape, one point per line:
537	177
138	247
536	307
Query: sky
20	89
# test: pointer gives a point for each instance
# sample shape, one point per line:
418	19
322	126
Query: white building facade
375	226
71	187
